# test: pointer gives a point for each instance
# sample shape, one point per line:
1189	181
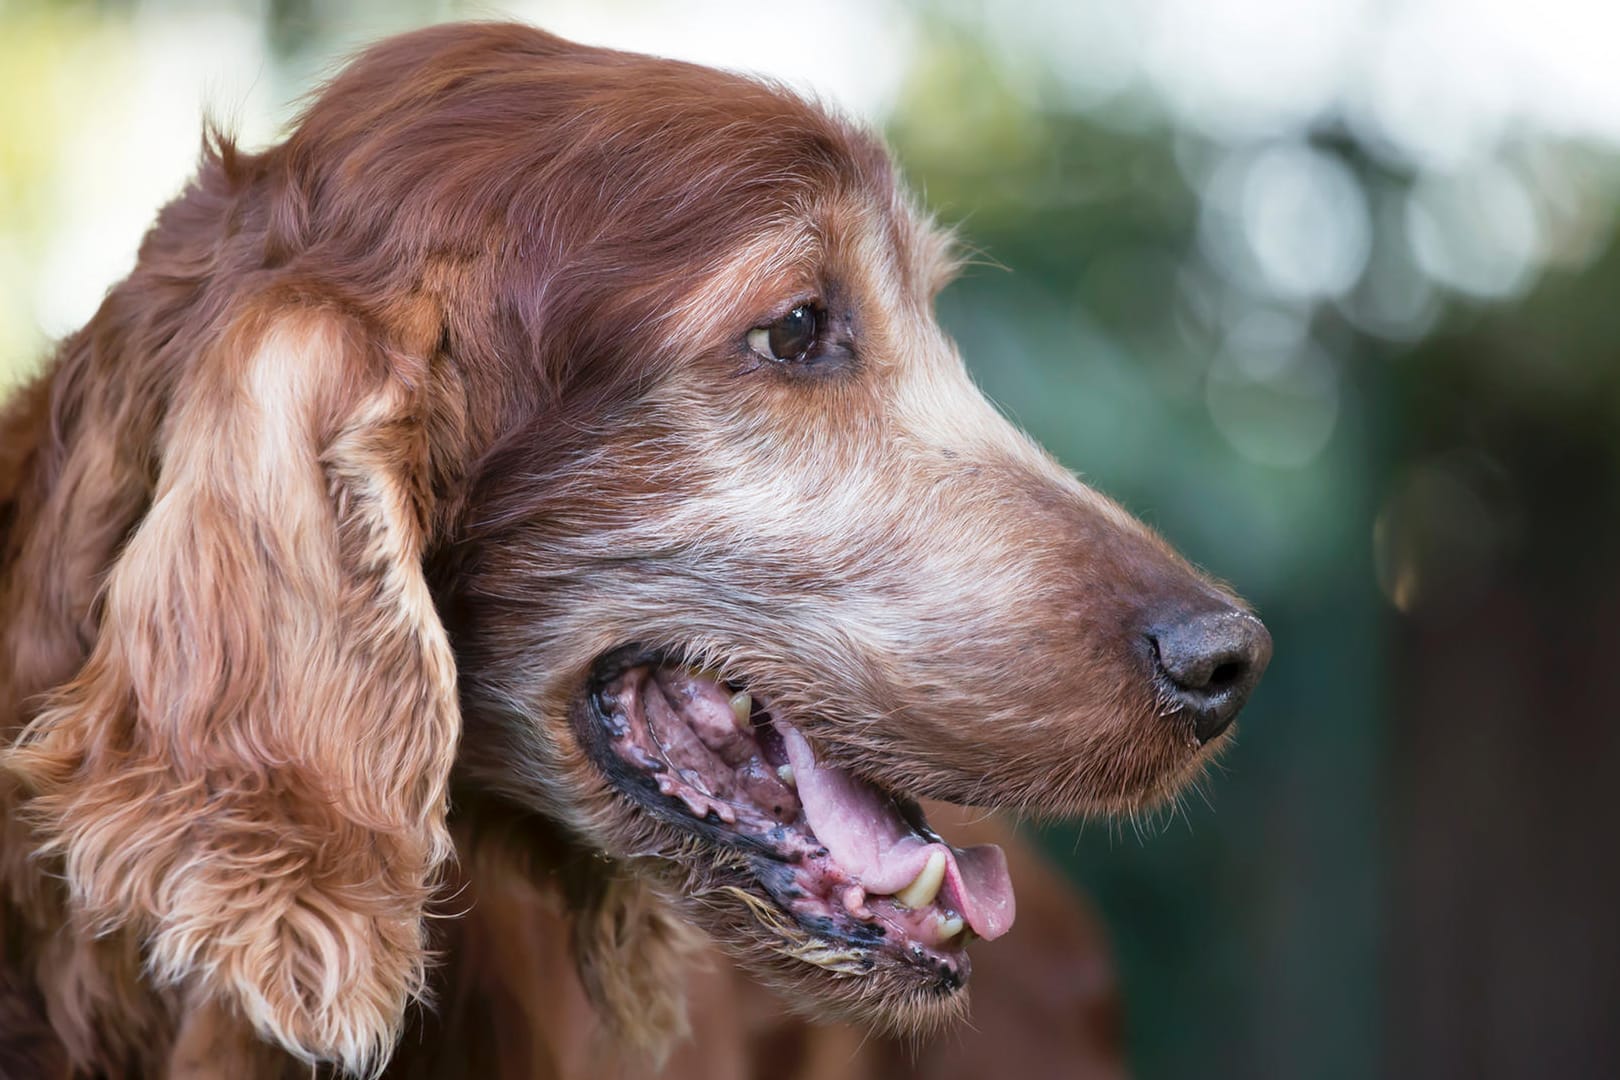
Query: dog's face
765	567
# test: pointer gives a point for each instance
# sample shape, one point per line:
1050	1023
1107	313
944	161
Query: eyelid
809	300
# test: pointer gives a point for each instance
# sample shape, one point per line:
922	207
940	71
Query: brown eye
789	338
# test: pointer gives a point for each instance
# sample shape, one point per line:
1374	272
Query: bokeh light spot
1277	409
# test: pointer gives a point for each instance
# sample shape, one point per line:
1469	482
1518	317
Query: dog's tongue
870	841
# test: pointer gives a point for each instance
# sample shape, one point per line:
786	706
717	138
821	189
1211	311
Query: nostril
1207	664
1226	674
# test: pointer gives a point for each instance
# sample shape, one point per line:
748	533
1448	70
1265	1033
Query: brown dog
575	421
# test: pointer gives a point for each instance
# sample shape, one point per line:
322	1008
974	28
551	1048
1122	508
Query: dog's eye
789	338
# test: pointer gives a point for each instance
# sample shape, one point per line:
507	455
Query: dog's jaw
701	751
844	880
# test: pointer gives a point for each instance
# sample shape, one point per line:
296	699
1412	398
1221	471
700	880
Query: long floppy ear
250	771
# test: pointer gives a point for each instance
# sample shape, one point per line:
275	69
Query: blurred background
1326	290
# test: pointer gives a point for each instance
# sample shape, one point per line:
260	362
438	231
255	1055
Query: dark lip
593	724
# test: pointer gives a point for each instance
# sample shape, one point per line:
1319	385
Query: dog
561	437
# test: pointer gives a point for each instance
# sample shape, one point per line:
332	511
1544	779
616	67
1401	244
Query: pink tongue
869	840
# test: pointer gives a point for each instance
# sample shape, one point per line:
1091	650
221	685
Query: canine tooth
784	773
949	928
742	707
922	891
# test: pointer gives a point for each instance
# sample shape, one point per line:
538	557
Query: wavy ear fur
250	771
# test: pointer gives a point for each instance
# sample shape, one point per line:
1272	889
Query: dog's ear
250	770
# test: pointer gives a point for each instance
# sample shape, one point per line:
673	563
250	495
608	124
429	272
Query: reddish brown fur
460	362
510	1006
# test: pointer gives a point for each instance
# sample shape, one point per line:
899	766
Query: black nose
1208	664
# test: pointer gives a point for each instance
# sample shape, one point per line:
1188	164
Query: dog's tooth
742	707
921	892
949	928
785	774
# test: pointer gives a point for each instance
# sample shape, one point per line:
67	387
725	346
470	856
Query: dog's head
767	567
631	367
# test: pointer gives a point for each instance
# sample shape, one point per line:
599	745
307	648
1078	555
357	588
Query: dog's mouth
855	869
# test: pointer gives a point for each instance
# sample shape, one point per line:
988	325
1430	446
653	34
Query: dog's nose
1208	664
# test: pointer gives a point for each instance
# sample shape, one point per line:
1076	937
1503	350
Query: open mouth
856	871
